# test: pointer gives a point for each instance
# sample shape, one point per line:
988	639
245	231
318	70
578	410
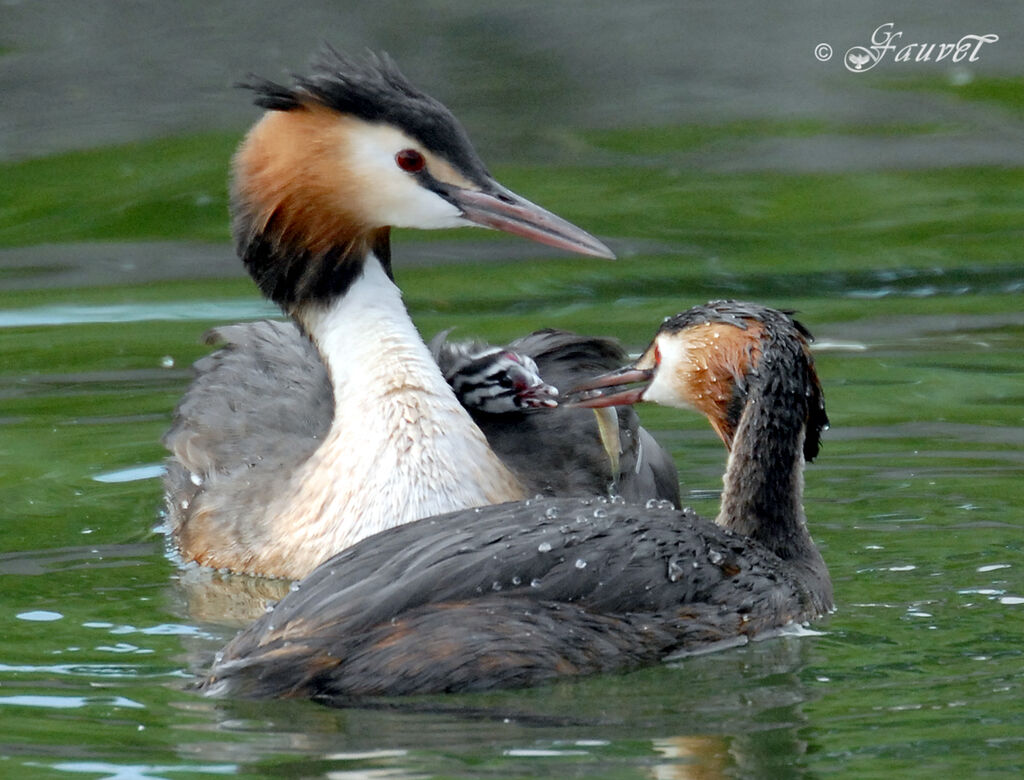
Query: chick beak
502	209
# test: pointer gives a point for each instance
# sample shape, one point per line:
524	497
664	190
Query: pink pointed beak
502	209
610	390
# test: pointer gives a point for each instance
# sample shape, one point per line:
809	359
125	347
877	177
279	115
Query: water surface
870	207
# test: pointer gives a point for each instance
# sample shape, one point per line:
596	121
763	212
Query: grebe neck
763	482
400	446
365	336
764	485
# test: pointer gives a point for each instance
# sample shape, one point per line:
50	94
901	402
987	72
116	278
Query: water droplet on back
675	570
544	547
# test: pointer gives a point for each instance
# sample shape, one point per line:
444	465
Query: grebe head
353	149
713	359
493	380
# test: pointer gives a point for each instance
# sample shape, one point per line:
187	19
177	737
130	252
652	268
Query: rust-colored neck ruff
297	220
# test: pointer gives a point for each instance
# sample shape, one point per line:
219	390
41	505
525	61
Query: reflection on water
232	600
754	703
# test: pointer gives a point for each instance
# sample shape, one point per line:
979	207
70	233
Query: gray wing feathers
265	391
262	400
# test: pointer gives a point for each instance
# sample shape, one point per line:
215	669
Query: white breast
400	447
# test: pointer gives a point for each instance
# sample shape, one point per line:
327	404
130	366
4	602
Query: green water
911	280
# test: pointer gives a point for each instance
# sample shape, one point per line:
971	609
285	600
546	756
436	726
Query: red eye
410	160
657	355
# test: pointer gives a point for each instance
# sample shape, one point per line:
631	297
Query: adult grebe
297	440
517	594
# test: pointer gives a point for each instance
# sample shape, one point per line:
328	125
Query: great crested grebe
517	594
297	440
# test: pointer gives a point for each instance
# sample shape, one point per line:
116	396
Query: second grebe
521	593
297	440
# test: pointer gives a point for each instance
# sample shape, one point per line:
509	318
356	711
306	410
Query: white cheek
660	391
663	389
389	195
409	205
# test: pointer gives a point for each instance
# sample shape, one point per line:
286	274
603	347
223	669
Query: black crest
373	89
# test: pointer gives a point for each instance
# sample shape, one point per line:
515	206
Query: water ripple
137	312
69	702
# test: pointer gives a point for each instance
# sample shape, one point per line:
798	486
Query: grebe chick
296	440
525	592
